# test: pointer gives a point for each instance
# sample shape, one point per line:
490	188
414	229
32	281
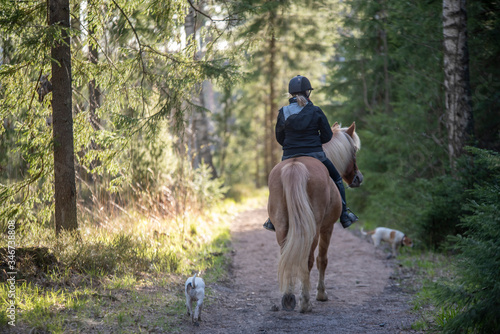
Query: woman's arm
325	131
280	128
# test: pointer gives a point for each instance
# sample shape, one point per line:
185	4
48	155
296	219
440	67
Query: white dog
394	237
195	291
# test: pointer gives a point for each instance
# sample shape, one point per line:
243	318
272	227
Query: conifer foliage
132	72
474	294
393	73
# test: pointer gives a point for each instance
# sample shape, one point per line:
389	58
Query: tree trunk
199	143
387	84
64	162
273	111
94	93
204	144
95	122
268	127
272	147
192	120
225	135
456	77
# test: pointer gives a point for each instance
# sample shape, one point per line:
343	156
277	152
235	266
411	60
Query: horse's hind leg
305	293
305	297
322	262
288	300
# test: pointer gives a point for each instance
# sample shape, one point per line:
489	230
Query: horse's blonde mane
341	148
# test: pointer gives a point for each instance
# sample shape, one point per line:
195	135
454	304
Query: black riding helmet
299	84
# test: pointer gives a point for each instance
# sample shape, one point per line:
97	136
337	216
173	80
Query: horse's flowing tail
301	227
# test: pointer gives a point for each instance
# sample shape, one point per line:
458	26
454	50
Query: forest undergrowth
126	275
113	275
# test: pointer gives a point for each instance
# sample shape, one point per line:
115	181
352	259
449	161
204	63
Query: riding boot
346	218
268	225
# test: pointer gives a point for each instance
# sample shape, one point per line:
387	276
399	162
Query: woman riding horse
301	129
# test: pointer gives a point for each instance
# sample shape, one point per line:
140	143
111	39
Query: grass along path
125	277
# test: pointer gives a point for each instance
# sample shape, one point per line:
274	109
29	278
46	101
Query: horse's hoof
196	323
288	302
322	297
306	308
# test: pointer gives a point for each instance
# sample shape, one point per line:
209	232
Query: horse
304	203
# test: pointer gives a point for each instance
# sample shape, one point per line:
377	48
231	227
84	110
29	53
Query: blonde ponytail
301	100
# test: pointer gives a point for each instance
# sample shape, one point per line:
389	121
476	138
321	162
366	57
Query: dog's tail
194	280
366	233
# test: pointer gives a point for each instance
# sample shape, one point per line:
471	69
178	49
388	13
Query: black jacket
302	132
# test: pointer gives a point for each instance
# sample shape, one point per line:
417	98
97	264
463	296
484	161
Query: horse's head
352	174
341	150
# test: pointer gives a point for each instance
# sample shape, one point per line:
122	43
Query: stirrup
347	218
269	226
353	214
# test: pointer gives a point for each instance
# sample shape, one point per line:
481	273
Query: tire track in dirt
363	297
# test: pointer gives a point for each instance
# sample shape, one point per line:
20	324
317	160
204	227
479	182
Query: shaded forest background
174	105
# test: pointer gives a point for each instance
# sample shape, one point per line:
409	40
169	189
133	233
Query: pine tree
144	77
386	76
285	40
62	119
472	297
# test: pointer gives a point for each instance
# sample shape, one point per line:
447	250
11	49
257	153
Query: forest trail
363	294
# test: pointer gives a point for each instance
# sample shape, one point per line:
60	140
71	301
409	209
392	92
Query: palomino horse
304	203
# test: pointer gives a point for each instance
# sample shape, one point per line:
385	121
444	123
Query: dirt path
363	296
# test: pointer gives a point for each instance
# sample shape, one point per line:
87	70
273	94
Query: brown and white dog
394	237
